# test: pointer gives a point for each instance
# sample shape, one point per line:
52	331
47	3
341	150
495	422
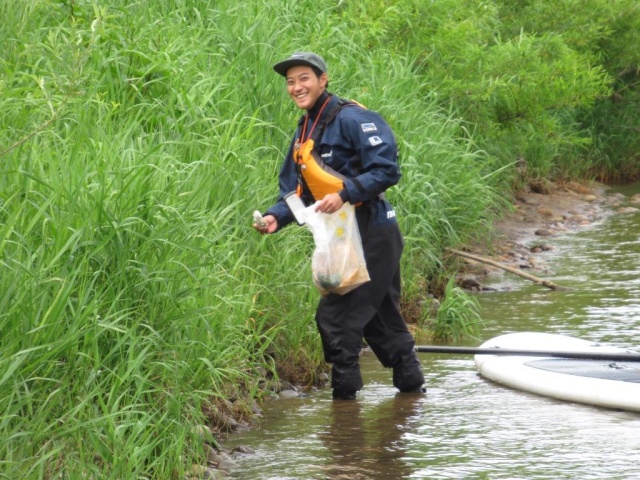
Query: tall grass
457	317
137	140
134	291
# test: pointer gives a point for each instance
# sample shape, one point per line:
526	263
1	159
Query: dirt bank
540	213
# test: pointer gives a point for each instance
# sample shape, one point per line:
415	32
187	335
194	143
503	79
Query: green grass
138	138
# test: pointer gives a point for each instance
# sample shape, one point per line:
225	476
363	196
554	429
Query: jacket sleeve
375	144
287	182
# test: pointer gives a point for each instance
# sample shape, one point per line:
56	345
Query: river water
466	427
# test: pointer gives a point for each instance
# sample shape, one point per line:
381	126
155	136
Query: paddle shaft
614	357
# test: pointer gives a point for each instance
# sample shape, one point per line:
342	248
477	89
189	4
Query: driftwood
539	281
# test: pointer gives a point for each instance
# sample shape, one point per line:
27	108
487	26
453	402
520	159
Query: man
357	146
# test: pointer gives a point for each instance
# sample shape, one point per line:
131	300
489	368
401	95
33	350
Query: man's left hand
330	204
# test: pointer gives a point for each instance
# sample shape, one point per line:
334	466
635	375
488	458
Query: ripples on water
467	427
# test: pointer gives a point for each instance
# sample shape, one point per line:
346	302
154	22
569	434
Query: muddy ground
540	213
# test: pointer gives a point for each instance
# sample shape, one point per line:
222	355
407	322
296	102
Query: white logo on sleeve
375	140
369	127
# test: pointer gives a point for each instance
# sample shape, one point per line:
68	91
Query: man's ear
324	79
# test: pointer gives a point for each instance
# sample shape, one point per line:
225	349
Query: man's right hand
271	225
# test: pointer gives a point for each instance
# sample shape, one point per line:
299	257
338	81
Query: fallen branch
539	281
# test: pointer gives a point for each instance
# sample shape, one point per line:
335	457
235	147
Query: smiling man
305	86
357	156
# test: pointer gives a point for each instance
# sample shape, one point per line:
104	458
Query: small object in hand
259	221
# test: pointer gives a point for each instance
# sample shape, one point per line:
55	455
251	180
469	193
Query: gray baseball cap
300	58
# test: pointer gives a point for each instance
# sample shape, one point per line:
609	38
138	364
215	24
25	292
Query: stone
289	394
627	210
226	462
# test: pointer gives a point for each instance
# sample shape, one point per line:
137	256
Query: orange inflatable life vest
318	178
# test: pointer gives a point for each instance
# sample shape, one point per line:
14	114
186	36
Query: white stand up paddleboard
604	383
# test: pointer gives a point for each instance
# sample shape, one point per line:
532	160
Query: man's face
304	86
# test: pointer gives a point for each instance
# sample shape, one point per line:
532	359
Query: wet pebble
627	210
289	394
243	449
202	472
226	463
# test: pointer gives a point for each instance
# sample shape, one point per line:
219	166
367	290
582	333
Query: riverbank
540	213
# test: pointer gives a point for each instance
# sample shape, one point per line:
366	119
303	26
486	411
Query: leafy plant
457	317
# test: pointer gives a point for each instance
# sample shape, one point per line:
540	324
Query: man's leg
389	338
340	320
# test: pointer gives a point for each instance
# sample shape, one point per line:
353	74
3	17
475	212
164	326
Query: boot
340	395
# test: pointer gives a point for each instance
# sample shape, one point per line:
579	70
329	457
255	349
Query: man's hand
269	224
330	204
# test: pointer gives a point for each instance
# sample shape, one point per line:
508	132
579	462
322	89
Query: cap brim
283	66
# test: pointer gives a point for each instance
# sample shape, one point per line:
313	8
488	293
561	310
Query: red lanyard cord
301	141
315	122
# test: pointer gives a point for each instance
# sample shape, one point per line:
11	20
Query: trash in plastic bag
338	264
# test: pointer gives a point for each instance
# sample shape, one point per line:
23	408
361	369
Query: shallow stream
467	427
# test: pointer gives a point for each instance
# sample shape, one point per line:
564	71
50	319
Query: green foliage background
138	137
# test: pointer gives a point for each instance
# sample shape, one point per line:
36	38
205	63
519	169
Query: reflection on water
316	437
466	426
368	443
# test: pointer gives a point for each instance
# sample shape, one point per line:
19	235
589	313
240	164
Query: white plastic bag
338	264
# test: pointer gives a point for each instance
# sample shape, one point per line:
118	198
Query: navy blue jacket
357	143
